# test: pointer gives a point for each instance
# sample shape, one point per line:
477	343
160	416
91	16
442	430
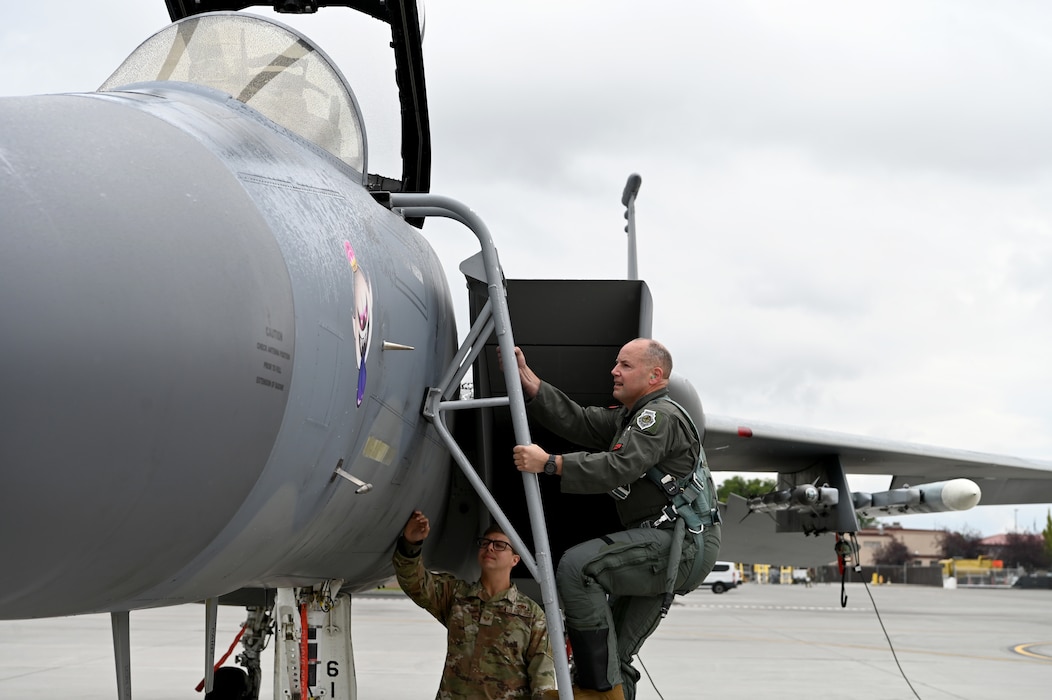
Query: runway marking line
808	608
1024	650
836	644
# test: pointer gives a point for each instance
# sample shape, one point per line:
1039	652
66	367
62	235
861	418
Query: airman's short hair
657	355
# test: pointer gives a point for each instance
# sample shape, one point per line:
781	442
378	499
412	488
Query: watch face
549	466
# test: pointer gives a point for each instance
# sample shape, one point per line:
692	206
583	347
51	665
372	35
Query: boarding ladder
493	318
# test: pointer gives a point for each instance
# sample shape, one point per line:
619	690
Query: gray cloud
844	217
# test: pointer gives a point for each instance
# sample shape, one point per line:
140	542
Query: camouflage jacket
497	648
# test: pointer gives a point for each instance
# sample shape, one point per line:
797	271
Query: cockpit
262	63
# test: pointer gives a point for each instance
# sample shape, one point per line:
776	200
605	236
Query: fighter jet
231	359
219	335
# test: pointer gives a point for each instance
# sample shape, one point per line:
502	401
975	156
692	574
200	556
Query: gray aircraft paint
181	380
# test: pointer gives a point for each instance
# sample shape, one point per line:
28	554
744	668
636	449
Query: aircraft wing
732	444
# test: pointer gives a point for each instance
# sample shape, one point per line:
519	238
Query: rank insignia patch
646	419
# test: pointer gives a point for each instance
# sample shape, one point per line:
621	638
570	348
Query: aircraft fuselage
195	303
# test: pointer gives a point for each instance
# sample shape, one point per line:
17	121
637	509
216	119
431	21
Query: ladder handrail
424	205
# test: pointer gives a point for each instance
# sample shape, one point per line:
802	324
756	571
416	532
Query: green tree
894	553
746	488
1025	550
964	545
1047	534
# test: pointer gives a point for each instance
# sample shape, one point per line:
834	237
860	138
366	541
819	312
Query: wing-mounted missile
804	498
812	500
936	497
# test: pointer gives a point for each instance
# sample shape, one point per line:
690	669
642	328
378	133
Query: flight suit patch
646	419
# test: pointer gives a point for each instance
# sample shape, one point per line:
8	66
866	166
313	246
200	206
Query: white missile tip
961	494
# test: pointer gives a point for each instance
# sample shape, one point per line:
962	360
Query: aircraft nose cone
136	283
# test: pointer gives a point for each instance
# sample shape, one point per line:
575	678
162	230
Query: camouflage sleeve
590	427
540	664
432	591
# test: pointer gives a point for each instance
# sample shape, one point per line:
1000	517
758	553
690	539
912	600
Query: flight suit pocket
629	568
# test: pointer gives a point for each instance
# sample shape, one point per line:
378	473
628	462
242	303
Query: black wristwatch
549	466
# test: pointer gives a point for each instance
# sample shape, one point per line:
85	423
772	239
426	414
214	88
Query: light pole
628	198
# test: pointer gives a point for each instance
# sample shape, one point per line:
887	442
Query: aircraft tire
230	683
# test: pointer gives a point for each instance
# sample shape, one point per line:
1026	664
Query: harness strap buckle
668	515
669	485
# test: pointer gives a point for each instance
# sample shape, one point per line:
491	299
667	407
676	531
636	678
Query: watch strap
550	466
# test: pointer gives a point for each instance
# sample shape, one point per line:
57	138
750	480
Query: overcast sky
845	218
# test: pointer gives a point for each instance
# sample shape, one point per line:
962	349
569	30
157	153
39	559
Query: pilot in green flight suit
631	567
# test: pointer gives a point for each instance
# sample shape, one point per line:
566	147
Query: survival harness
692	507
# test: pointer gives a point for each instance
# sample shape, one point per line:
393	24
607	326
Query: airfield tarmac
757	641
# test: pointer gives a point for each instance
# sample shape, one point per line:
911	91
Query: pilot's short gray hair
657	355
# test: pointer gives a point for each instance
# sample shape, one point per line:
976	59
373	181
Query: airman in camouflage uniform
497	640
630	569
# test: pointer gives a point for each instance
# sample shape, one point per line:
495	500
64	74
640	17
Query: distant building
923	544
993	543
998	546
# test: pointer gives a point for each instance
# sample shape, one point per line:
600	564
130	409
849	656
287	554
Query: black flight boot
590	655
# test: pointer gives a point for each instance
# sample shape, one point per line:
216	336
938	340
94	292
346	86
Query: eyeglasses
498	545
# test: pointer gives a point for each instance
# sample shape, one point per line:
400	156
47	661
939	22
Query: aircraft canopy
265	64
